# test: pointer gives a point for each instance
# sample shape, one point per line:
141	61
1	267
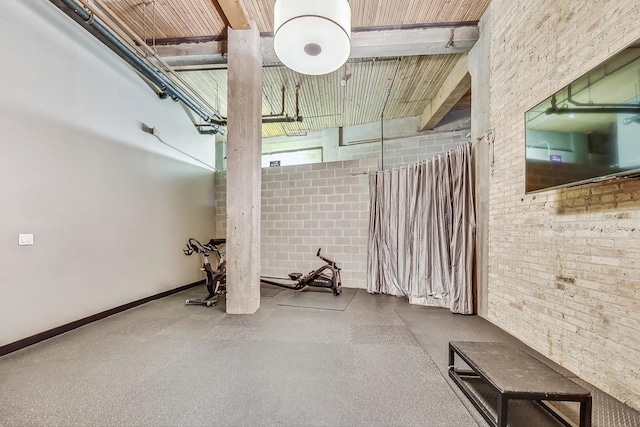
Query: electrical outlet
25	239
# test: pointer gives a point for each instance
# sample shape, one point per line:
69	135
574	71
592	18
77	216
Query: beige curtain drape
422	232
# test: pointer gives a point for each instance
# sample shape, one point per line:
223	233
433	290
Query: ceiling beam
424	41
235	13
366	44
455	86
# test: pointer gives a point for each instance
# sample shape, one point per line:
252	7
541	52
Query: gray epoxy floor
380	362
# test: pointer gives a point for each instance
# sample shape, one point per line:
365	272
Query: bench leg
585	413
451	358
503	406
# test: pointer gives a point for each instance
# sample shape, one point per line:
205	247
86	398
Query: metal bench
514	374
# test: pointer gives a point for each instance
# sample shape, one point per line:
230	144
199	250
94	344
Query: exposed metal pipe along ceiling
89	23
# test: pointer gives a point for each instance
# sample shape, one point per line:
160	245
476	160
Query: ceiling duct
89	22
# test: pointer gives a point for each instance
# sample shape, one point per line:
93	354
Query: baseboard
25	342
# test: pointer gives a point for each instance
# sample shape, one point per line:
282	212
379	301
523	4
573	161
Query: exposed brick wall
564	265
306	207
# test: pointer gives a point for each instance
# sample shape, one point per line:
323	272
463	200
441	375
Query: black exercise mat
322	299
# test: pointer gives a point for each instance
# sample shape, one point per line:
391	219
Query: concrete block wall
306	207
369	150
406	150
399	153
564	265
403	143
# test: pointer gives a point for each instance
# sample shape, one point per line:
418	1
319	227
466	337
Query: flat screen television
589	130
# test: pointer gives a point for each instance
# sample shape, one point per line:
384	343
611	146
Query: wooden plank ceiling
324	102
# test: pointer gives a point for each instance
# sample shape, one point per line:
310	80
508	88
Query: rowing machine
327	276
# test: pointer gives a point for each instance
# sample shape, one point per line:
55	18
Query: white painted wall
327	140
109	206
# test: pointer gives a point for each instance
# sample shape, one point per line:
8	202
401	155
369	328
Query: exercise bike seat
295	276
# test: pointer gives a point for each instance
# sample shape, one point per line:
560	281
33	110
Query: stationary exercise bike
327	276
216	280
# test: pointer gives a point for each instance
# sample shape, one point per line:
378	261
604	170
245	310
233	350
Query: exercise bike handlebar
194	245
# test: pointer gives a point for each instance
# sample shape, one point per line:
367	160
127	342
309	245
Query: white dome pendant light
312	36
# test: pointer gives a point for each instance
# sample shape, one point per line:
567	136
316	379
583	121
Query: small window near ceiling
288	158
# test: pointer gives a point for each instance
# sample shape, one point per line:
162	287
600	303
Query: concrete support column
244	111
479	68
